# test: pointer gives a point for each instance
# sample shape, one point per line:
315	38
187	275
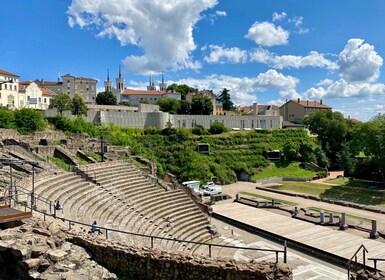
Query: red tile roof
128	91
46	91
3	72
311	104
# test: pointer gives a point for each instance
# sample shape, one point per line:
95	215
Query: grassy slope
284	169
347	193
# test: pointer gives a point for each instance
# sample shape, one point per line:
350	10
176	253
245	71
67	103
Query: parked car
208	185
213	190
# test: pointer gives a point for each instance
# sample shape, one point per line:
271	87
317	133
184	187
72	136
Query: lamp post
15	161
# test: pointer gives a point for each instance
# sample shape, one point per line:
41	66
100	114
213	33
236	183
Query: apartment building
9	87
295	111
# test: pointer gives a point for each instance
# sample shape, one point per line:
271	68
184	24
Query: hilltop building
217	105
9	87
71	85
295	111
33	96
117	91
259	109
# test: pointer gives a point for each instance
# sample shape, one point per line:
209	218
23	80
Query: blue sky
263	51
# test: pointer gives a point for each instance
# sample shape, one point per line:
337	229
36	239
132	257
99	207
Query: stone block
56	255
30	263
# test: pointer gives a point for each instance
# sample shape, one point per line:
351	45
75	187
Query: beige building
135	97
84	87
295	111
9	87
71	85
33	96
258	110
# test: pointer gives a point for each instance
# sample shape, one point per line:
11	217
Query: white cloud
359	62
267	34
222	55
152	25
324	83
313	59
344	89
221	13
244	90
279	17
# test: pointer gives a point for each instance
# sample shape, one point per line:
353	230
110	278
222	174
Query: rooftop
3	72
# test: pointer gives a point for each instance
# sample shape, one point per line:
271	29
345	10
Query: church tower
120	82
162	85
108	83
151	85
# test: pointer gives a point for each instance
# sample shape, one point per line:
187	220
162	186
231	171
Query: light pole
15	161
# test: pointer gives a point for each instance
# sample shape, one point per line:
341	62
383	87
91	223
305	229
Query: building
117	91
9	88
84	87
295	111
135	97
213	98
71	85
259	109
33	96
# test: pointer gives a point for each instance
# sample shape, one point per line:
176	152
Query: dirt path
332	175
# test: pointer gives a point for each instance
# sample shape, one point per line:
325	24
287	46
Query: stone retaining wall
145	263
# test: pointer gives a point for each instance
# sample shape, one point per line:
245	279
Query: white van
213	190
192	185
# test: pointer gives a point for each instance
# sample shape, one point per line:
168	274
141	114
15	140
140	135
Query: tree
170	105
201	105
182	89
185	107
106	98
369	138
7	118
125	103
332	131
78	106
62	102
29	120
225	98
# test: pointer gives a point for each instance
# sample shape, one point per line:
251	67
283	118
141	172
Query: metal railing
152	238
375	263
354	260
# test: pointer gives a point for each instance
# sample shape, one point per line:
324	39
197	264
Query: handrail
152	237
364	250
375	263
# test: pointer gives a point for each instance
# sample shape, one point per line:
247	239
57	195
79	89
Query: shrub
217	128
199	130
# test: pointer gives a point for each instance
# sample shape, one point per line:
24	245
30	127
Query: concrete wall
160	119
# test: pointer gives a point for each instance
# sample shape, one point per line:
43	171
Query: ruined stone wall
145	263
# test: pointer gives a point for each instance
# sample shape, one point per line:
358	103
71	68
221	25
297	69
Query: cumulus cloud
165	39
359	62
244	90
267	34
313	59
219	54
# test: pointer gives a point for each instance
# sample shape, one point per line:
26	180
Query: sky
264	51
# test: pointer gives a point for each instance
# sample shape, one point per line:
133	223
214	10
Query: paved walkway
338	243
235	188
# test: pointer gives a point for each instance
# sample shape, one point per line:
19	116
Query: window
5	86
45	100
15	87
39	99
28	98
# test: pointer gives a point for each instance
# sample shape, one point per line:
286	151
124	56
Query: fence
151	238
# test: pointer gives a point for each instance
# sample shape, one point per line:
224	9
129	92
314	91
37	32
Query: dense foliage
175	150
62	102
225	98
183	89
106	98
24	120
79	108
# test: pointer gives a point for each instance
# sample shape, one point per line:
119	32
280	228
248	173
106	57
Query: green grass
357	183
282	169
361	219
269	198
346	193
61	164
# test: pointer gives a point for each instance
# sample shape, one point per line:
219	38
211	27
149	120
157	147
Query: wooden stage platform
8	214
335	244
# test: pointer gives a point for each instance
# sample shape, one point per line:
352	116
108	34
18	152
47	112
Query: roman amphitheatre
153	228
